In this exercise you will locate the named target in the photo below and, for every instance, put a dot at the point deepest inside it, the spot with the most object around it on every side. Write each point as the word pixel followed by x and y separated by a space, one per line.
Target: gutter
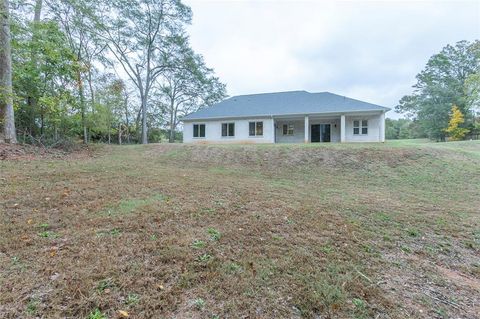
pixel 386 109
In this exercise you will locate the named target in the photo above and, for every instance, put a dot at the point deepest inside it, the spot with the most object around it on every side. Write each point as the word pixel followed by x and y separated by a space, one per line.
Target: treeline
pixel 403 129
pixel 445 103
pixel 116 71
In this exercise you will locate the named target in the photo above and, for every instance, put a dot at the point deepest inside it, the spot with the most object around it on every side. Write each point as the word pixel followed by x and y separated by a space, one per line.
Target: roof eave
pixel 185 119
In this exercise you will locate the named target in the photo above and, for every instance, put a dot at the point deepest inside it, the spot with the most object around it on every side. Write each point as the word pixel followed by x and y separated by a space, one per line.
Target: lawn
pixel 255 231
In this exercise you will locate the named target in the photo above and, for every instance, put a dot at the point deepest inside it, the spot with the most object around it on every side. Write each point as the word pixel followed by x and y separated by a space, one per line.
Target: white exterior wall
pixel 376 129
pixel 298 131
pixel 213 132
pixel 271 134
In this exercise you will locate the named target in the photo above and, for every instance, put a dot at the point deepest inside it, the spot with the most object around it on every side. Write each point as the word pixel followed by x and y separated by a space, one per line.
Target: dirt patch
pixel 290 156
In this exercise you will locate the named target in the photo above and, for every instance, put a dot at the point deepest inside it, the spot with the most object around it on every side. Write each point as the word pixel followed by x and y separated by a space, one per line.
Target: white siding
pixel 298 131
pixel 271 134
pixel 374 127
pixel 213 132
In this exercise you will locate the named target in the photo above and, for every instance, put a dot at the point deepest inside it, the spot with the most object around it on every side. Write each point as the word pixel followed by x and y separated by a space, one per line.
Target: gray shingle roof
pixel 282 103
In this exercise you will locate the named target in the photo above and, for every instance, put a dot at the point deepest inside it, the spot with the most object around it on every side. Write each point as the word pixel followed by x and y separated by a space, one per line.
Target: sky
pixel 368 50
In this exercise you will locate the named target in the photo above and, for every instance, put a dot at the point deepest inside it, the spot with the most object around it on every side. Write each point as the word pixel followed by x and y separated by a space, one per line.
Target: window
pixel 255 128
pixel 228 129
pixel 360 127
pixel 288 129
pixel 364 127
pixel 198 130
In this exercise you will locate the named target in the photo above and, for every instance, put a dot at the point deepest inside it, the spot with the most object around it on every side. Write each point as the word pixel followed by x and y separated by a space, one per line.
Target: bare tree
pixel 71 16
pixel 188 87
pixel 140 34
pixel 6 92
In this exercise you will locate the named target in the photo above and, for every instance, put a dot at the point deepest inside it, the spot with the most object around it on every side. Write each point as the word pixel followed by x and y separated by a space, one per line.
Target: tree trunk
pixel 38 11
pixel 144 120
pixel 82 106
pixel 171 137
pixel 126 119
pixel 120 134
pixel 6 91
pixel 32 100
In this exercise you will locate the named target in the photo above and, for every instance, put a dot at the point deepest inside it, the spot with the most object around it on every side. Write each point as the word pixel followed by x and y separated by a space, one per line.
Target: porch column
pixel 381 127
pixel 274 131
pixel 342 128
pixel 307 129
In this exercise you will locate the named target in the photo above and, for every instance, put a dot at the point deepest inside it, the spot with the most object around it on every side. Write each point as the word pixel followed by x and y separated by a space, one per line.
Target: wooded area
pixel 450 79
pixel 123 71
pixel 109 71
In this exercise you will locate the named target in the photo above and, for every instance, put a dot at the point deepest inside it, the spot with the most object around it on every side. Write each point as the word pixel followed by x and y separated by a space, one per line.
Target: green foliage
pixel 96 314
pixel 402 129
pixel 65 76
pixel 105 284
pixel 214 234
pixel 32 307
pixel 132 299
pixel 205 258
pixel 198 244
pixel 442 84
pixel 199 303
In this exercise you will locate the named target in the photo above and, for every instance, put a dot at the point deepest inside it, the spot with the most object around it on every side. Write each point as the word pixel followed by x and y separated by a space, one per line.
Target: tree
pixel 402 129
pixel 71 16
pixel 43 76
pixel 454 130
pixel 6 92
pixel 441 84
pixel 141 35
pixel 187 88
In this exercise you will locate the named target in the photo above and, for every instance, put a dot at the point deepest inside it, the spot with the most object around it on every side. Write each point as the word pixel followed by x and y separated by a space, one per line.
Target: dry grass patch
pixel 331 231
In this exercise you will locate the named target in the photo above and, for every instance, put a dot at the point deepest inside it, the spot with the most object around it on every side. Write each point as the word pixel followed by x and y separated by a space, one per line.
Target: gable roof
pixel 282 103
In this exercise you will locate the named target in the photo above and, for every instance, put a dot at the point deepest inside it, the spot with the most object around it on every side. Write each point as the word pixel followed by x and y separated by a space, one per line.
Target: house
pixel 286 117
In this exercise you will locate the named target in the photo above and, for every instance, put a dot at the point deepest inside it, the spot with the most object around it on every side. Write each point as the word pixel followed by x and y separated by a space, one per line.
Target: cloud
pixel 370 50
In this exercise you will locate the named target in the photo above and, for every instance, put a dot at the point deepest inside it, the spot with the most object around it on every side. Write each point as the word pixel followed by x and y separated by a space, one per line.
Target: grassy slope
pixel 354 230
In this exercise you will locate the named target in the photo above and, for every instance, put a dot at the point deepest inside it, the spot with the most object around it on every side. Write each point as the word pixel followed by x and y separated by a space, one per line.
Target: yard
pixel 255 231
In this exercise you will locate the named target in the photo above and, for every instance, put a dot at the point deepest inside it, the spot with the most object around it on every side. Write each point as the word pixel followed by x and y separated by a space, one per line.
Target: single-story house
pixel 286 117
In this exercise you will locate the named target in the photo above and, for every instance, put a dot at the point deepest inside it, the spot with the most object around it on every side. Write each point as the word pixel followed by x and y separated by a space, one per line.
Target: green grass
pixel 306 230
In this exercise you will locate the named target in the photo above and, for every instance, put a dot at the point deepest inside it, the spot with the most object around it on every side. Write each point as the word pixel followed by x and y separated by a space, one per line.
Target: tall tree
pixel 141 35
pixel 440 85
pixel 71 16
pixel 187 88
pixel 6 92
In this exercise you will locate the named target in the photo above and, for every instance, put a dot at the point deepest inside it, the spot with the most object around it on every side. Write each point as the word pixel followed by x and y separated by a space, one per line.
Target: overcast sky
pixel 369 50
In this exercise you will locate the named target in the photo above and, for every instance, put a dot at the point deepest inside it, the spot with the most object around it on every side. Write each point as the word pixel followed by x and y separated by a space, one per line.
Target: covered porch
pixel 309 129
pixel 335 128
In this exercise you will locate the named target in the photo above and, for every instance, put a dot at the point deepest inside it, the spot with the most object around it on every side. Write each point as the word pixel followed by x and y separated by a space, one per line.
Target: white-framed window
pixel 228 129
pixel 255 128
pixel 198 130
pixel 288 129
pixel 360 127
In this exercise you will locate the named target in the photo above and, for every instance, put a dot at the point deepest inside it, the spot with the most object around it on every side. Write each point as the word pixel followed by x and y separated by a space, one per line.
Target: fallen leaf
pixel 30 221
pixel 123 313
